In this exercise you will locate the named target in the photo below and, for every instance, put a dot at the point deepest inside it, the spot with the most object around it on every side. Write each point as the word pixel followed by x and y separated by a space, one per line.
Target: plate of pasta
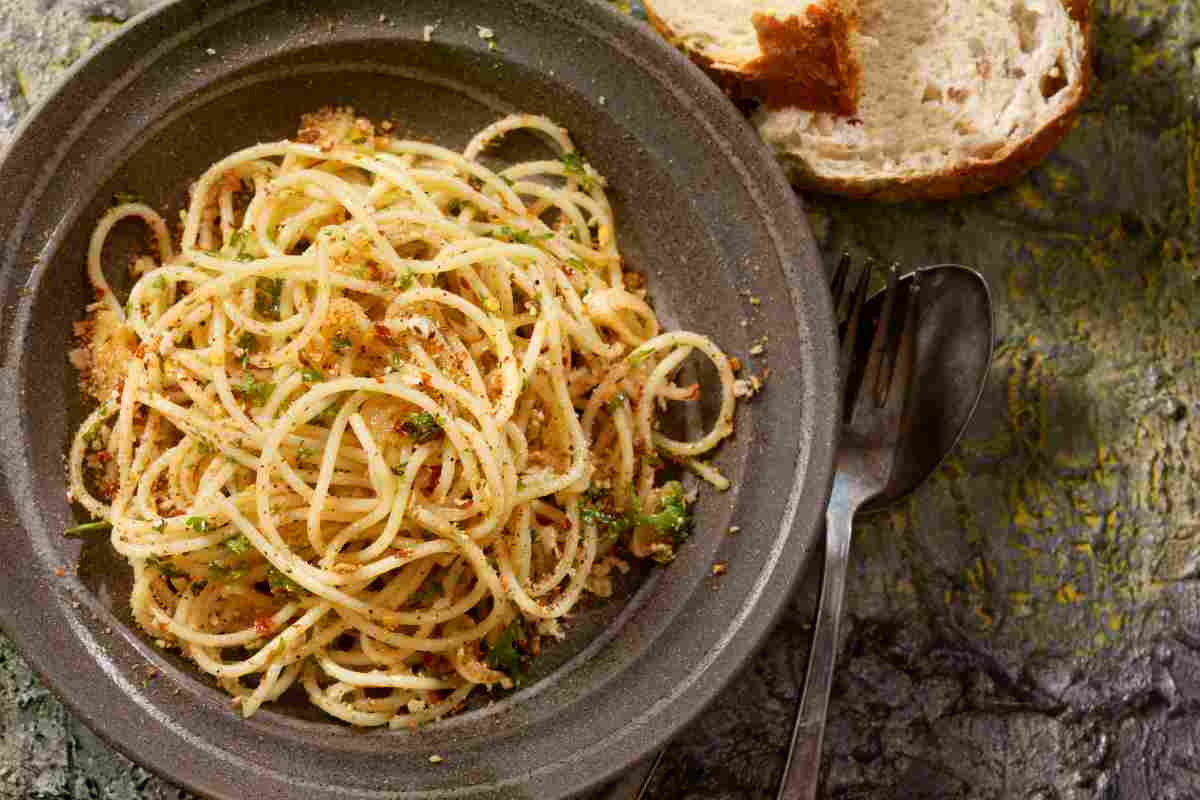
pixel 383 390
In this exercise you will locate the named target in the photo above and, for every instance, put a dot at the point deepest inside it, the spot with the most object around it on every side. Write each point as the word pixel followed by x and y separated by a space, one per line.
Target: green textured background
pixel 1028 625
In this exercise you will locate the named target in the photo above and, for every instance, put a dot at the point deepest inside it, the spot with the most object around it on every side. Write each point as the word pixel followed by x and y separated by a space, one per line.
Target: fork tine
pixel 875 361
pixel 904 356
pixel 888 362
pixel 837 284
pixel 857 297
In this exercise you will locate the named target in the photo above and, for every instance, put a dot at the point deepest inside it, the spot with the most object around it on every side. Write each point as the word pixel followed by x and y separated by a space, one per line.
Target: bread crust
pixel 973 177
pixel 807 62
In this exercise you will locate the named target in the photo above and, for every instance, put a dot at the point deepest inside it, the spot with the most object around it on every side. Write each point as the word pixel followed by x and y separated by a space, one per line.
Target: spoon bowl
pixel 955 338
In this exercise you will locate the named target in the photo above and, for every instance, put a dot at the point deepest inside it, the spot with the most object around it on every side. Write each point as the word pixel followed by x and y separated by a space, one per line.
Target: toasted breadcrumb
pixel 107 345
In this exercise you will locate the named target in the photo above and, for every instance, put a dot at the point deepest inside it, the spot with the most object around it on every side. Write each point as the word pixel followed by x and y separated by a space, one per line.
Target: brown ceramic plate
pixel 701 208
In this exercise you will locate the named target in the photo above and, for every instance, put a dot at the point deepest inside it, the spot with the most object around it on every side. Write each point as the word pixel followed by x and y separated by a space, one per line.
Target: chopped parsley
pixel 303 453
pixel 429 591
pixel 94 435
pixel 255 391
pixel 672 516
pixel 671 519
pixel 340 343
pixel 311 375
pixel 422 426
pixel 577 169
pixel 267 292
pixel 120 198
pixel 328 413
pixel 89 527
pixel 617 401
pixel 247 343
pixel 518 236
pixel 504 655
pixel 404 280
pixel 280 583
pixel 238 545
pixel 578 264
pixel 164 567
pixel 611 524
pixel 221 571
pixel 238 242
pixel 198 524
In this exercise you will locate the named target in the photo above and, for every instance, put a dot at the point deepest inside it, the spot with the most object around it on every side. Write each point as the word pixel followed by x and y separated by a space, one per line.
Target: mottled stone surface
pixel 1027 626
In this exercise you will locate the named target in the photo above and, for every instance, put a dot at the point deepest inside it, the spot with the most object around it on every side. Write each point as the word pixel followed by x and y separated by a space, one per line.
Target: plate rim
pixel 817 456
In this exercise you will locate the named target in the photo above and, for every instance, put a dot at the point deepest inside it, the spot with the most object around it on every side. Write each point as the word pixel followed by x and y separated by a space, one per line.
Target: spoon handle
pixel 804 758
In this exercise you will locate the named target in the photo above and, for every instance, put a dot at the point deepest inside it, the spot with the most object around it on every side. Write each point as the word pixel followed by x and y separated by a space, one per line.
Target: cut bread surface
pixel 722 30
pixel 957 97
pixel 785 53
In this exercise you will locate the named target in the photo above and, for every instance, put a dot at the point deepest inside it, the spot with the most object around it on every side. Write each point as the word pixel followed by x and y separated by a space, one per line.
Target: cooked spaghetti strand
pixel 376 425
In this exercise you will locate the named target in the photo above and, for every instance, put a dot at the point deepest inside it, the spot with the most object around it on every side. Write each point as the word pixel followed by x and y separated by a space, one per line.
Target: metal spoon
pixel 955 338
pixel 953 353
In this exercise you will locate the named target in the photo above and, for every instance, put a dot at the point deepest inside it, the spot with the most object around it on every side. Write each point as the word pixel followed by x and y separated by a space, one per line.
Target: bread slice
pixel 798 53
pixel 958 96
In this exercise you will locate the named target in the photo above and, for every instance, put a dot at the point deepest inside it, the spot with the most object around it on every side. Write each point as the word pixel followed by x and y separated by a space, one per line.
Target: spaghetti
pixel 378 424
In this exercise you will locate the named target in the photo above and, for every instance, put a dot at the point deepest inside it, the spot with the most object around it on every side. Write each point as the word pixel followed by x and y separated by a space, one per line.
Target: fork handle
pixel 804 758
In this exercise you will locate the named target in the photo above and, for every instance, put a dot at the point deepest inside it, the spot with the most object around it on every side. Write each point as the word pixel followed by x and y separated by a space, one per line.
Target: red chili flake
pixel 382 331
pixel 263 625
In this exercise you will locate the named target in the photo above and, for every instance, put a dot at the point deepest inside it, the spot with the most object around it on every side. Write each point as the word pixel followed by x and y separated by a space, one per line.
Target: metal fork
pixel 871 434
pixel 849 297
